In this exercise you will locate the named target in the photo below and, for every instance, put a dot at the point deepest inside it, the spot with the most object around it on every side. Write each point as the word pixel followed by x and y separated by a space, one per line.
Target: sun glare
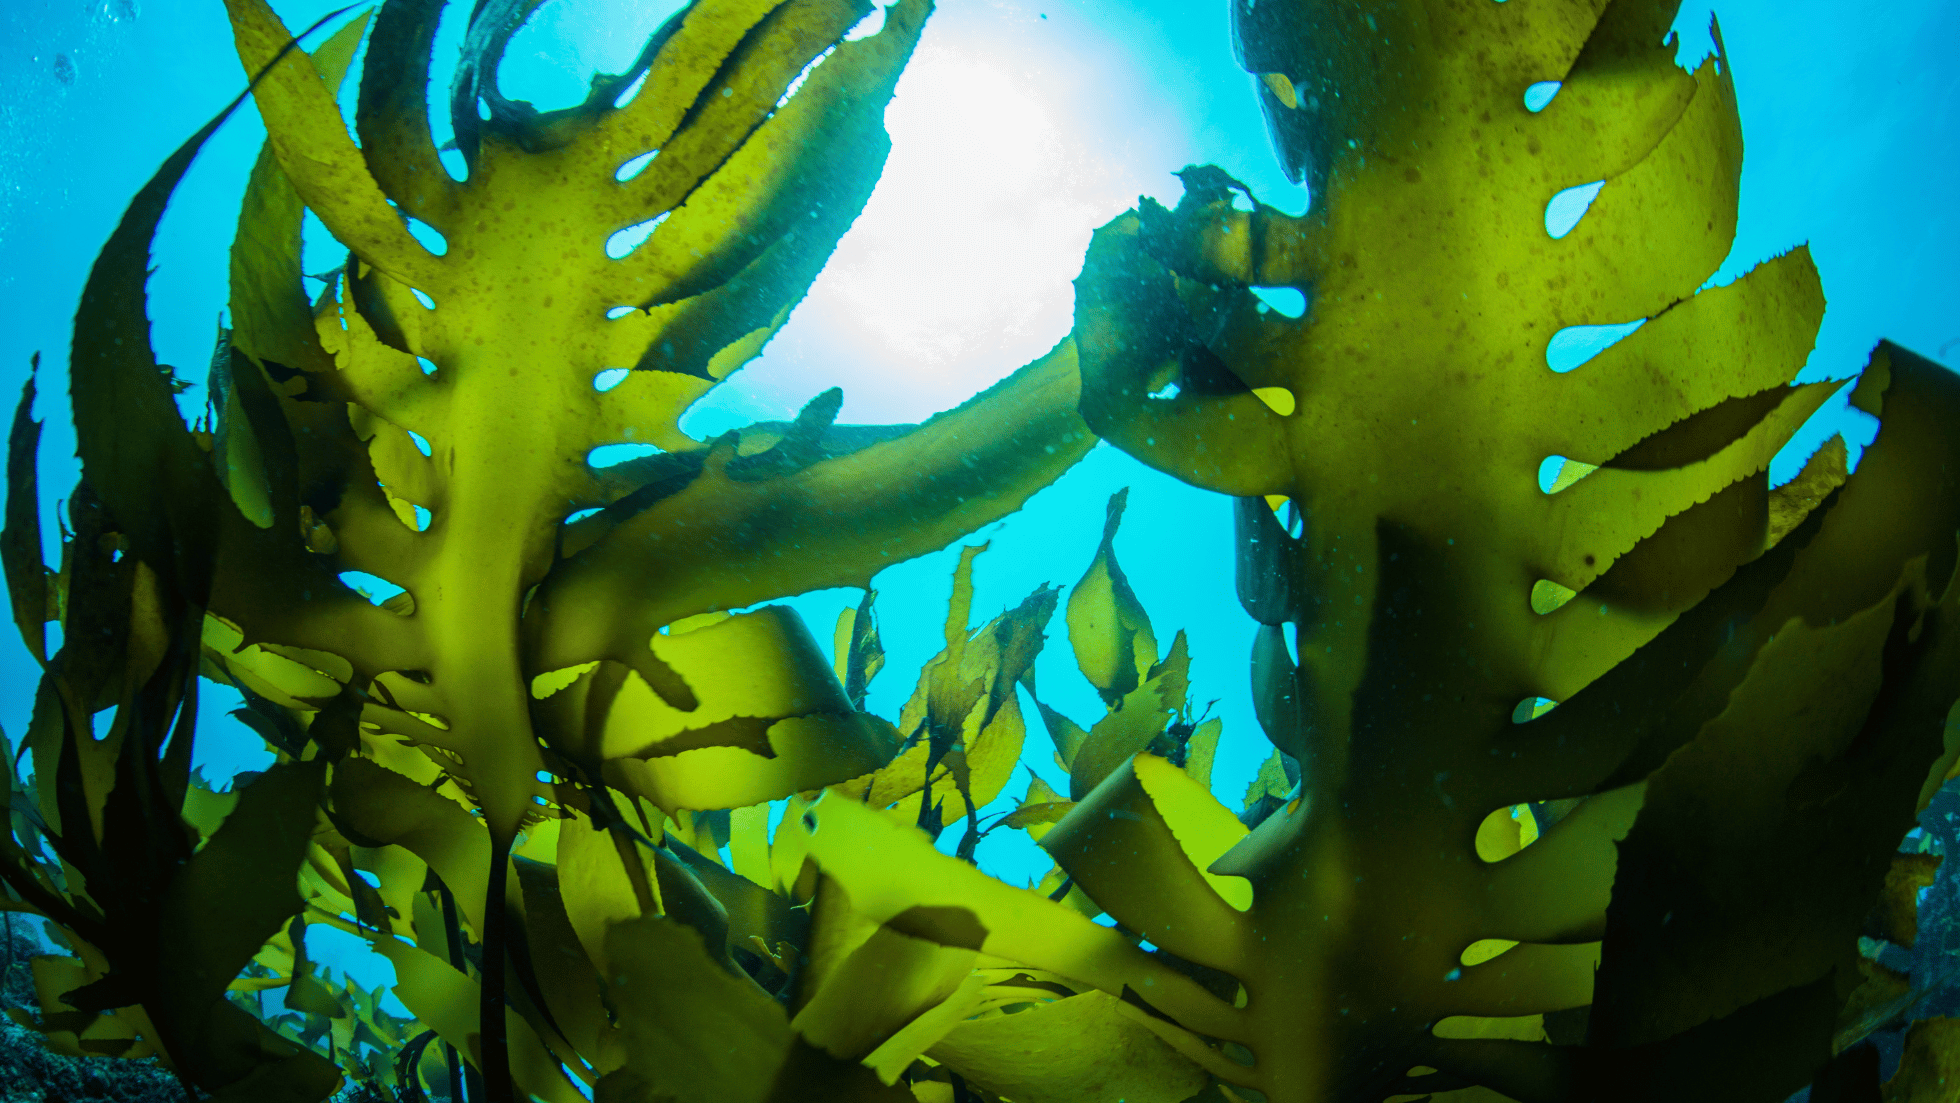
pixel 1007 152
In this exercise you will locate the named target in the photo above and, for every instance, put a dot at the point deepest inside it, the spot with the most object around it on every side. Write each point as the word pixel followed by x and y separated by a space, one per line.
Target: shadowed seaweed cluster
pixel 1584 787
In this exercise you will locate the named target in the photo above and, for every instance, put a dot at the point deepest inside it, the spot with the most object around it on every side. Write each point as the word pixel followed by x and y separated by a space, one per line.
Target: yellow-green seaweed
pixel 1579 794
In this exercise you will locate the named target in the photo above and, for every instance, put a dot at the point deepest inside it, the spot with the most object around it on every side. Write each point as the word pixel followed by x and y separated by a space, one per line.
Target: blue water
pixel 1018 129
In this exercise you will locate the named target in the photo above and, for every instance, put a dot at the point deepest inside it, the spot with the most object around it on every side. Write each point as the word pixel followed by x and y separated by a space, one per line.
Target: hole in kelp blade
pixel 1539 96
pixel 1575 345
pixel 1558 472
pixel 1565 210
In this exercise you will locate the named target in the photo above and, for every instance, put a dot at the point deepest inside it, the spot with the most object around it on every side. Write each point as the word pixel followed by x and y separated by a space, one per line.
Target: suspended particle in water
pixel 64 69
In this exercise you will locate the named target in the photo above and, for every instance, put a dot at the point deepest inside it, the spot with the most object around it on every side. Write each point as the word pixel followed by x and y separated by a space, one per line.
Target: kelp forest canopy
pixel 1583 788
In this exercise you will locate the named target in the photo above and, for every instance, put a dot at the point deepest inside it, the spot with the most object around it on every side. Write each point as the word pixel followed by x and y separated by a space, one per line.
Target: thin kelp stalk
pixel 497 1084
pixel 452 930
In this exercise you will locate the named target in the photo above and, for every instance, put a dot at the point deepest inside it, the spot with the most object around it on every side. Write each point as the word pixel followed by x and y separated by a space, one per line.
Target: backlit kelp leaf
pixel 392 116
pixel 1790 503
pixel 597 888
pixel 860 654
pixel 448 1002
pixel 1816 687
pixel 1444 603
pixel 225 903
pixel 854 514
pixel 136 451
pixel 885 984
pixel 725 1042
pixel 271 316
pixel 1040 808
pixel 564 976
pixel 1107 626
pixel 1066 734
pixel 387 808
pixel 978 766
pixel 1116 650
pixel 887 870
pixel 304 127
pixel 1138 719
pixel 717 728
pixel 20 541
pixel 962 726
pixel 1083 1049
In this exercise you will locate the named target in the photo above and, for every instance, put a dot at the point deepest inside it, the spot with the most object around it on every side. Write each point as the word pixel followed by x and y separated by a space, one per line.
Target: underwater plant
pixel 557 632
pixel 1751 685
pixel 1582 788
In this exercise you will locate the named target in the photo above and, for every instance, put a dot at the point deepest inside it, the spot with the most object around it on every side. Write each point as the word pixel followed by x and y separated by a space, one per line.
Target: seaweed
pixel 332 460
pixel 1591 749
pixel 1747 718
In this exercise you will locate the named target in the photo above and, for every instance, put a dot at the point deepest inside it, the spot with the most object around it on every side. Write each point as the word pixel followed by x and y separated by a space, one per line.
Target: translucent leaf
pixel 1107 626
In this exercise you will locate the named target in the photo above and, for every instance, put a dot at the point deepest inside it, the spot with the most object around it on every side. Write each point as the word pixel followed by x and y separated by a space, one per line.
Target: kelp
pixel 1745 722
pixel 1587 774
pixel 555 644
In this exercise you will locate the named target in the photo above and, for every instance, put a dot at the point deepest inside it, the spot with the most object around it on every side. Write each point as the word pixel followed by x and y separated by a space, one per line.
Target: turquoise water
pixel 1017 129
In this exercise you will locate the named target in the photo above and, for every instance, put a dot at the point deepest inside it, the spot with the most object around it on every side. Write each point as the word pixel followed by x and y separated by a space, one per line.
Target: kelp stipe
pixel 1749 700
